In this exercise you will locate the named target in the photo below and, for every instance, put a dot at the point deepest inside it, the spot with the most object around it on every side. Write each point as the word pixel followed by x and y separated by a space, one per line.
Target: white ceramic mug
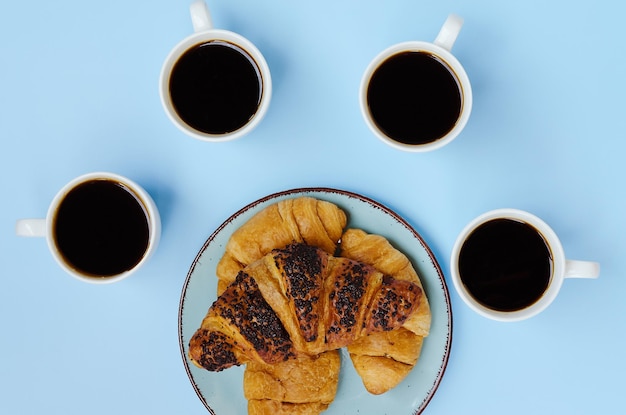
pixel 439 50
pixel 127 195
pixel 561 267
pixel 206 34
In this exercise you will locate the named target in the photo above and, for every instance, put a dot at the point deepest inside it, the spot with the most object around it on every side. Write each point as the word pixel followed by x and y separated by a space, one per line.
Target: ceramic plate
pixel 222 392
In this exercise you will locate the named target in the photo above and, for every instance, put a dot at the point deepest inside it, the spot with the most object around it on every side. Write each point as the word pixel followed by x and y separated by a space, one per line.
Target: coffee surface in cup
pixel 505 264
pixel 101 228
pixel 414 97
pixel 216 87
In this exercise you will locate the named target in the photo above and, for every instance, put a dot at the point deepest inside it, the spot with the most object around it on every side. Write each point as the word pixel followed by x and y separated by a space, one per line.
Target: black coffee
pixel 506 265
pixel 414 98
pixel 101 228
pixel 216 87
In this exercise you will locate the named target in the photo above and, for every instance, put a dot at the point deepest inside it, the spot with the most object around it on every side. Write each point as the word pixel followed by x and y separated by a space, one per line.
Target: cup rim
pixel 207 36
pixel 556 279
pixel 150 208
pixel 452 62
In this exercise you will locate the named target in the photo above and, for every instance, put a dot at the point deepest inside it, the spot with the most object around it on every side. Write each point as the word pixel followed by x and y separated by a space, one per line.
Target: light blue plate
pixel 222 392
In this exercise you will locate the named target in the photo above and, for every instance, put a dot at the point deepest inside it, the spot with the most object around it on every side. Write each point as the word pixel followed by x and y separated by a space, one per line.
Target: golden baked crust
pixel 379 374
pixel 302 380
pixel 383 360
pixel 400 345
pixel 271 407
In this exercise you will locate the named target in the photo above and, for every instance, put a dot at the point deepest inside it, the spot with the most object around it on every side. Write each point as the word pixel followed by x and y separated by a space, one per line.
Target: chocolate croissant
pixel 296 301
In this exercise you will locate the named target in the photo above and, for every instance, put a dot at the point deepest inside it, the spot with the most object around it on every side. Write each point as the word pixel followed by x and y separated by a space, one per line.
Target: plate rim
pixel 320 189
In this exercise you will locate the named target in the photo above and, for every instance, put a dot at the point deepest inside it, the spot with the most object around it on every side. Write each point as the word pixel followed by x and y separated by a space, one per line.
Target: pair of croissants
pixel 294 287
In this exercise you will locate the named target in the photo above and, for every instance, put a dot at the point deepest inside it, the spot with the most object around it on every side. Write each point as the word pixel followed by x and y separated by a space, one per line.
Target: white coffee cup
pixel 128 244
pixel 205 34
pixel 561 267
pixel 421 133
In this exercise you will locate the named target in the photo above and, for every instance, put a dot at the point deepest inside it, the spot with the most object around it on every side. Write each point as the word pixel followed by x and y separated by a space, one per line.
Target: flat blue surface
pixel 78 93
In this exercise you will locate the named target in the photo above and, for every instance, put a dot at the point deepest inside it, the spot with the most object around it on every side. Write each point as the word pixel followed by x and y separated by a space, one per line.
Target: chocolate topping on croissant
pixel 244 307
pixel 276 308
pixel 302 269
pixel 214 350
pixel 393 304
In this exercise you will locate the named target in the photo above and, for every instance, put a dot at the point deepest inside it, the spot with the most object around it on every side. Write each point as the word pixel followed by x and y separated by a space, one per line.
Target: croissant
pixel 384 359
pixel 296 301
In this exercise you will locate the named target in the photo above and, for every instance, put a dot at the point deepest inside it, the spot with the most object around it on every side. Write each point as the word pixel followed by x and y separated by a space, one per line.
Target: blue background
pixel 79 93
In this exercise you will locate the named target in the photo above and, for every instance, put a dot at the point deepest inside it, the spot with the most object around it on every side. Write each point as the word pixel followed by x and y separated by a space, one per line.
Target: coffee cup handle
pixel 449 32
pixel 581 269
pixel 31 227
pixel 200 16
